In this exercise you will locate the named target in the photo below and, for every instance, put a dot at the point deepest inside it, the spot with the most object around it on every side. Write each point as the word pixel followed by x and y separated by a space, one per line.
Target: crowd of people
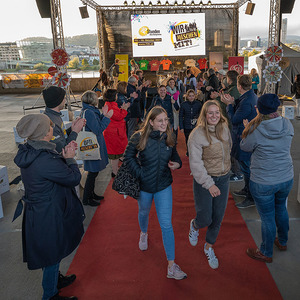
pixel 230 135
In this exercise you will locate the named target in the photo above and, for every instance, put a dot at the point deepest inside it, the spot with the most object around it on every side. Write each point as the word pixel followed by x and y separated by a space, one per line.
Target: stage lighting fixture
pixel 150 3
pixel 209 2
pixel 84 12
pixel 142 3
pixel 175 3
pixel 192 3
pixel 125 3
pixel 158 2
pixel 183 2
pixel 250 8
pixel 201 3
pixel 133 3
pixel 167 3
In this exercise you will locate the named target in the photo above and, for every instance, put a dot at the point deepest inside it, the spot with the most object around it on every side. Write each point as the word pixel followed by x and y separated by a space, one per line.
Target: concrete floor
pixel 17 282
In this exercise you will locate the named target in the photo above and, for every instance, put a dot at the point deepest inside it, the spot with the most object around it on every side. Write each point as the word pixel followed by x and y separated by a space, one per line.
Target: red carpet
pixel 109 265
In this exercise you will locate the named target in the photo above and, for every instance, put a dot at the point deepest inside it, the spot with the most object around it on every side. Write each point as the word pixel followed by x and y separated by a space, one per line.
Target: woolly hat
pixel 53 96
pixel 33 127
pixel 268 103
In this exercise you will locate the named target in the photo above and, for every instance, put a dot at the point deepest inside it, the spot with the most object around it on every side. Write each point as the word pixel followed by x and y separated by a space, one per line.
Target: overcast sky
pixel 20 19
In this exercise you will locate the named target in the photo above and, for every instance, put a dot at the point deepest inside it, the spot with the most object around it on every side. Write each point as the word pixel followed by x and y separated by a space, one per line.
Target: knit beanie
pixel 53 96
pixel 268 103
pixel 33 127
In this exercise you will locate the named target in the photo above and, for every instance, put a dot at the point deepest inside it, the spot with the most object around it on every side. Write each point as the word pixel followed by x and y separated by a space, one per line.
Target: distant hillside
pixel 77 40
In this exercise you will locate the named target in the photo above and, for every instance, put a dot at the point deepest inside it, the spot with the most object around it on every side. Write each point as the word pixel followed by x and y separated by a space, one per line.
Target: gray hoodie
pixel 270 142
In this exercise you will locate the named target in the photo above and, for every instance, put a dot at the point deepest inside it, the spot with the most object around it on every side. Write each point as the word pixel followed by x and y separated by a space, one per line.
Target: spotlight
pixel 183 2
pixel 150 3
pixel 125 3
pixel 201 3
pixel 167 3
pixel 175 3
pixel 84 12
pixel 142 3
pixel 250 8
pixel 132 3
pixel 192 3
pixel 209 2
pixel 158 2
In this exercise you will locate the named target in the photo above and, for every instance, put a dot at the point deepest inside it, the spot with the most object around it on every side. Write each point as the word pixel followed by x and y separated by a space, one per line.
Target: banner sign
pixel 123 65
pixel 21 81
pixel 216 60
pixel 168 35
pixel 236 63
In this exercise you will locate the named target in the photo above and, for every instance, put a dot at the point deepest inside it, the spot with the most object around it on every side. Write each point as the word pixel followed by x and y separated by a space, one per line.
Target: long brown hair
pixel 147 128
pixel 253 72
pixel 254 123
pixel 202 121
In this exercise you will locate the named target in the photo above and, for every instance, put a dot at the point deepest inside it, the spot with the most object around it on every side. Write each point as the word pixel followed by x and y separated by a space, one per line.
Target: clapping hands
pixel 69 150
pixel 227 99
pixel 106 112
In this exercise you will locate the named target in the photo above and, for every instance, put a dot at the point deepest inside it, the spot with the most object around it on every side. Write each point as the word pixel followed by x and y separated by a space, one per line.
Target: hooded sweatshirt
pixel 270 144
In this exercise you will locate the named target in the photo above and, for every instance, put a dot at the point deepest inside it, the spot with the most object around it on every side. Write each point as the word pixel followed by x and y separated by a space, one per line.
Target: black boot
pixel 64 281
pixel 91 202
pixel 96 197
pixel 57 297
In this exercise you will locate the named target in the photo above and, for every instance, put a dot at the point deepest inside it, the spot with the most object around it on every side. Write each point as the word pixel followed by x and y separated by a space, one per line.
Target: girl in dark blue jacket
pixel 188 114
pixel 154 144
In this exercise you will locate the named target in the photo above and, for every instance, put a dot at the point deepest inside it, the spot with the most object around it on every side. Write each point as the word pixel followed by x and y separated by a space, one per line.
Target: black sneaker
pixel 236 178
pixel 241 193
pixel 57 297
pixel 96 197
pixel 248 202
pixel 64 281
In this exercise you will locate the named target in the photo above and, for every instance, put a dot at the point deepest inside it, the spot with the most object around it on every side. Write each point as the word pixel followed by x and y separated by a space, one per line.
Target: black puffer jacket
pixel 153 170
pixel 189 113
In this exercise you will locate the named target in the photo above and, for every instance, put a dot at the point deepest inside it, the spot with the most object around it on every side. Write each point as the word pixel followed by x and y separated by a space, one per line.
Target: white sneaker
pixel 193 234
pixel 143 242
pixel 176 273
pixel 211 257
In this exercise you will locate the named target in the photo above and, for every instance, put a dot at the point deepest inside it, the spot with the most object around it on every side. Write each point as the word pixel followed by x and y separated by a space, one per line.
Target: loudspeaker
pixel 44 8
pixel 286 6
pixel 250 8
pixel 84 12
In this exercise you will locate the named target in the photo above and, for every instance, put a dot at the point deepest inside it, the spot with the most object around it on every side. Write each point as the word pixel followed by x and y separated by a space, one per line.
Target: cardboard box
pixel 4 184
pixel 18 139
pixel 288 111
pixel 1 209
pixel 76 113
pixel 67 124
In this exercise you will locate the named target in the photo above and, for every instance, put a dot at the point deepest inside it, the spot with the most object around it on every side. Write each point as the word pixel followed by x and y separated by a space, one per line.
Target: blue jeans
pixel 245 168
pixel 270 201
pixel 50 278
pixel 210 211
pixel 163 205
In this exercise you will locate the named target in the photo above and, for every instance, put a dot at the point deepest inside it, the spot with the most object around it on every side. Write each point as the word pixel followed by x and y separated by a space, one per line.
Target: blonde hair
pixel 90 97
pixel 253 72
pixel 147 128
pixel 202 121
pixel 254 123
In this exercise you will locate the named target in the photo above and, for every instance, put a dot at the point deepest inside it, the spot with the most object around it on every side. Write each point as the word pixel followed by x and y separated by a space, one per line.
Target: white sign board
pixel 168 35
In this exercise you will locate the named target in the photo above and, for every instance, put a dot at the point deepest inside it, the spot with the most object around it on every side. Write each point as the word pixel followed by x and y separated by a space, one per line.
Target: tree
pixel 95 62
pixel 253 52
pixel 40 67
pixel 85 62
pixel 74 62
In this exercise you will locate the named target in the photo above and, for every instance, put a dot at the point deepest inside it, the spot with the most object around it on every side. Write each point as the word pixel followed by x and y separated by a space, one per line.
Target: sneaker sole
pixel 251 205
pixel 172 277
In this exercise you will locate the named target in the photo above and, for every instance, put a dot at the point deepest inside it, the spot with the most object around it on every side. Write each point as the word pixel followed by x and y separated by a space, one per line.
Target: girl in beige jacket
pixel 209 154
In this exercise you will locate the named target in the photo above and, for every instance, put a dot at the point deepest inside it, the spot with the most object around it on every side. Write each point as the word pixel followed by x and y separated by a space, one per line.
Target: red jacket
pixel 115 134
